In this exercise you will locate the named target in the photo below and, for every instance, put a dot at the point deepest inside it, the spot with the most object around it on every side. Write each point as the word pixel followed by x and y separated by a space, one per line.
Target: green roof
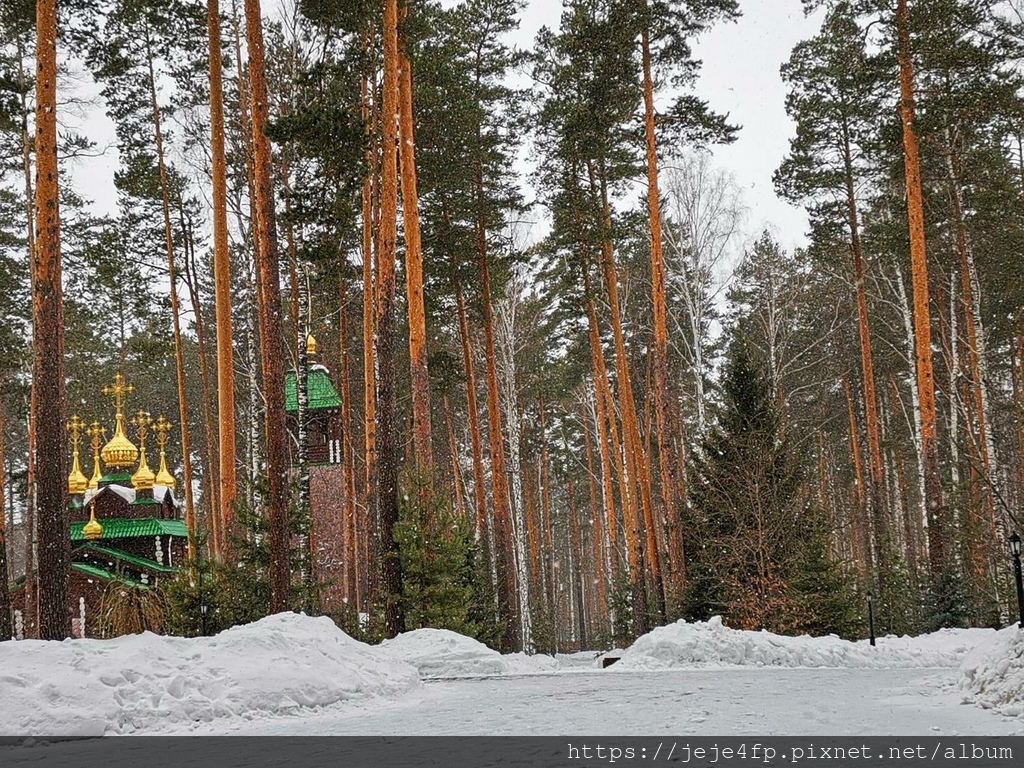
pixel 124 528
pixel 100 573
pixel 92 570
pixel 116 554
pixel 322 394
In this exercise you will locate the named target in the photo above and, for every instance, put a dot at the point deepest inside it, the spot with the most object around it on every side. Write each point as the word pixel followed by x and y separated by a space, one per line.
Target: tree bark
pixel 48 347
pixel 6 624
pixel 937 533
pixel 483 528
pixel 213 475
pixel 599 541
pixel 370 247
pixel 227 473
pixel 179 357
pixel 414 269
pixel 352 565
pixel 875 492
pixel 505 567
pixel 864 560
pixel 627 404
pixel 269 310
pixel 669 455
pixel 608 443
pixel 388 440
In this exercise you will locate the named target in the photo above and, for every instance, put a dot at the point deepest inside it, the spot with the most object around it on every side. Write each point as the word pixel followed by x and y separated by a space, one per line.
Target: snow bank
pixel 443 653
pixel 712 644
pixel 993 673
pixel 150 683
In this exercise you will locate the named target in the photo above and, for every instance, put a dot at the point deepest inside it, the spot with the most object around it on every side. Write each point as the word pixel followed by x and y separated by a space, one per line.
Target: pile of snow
pixel 443 653
pixel 712 644
pixel 149 683
pixel 993 673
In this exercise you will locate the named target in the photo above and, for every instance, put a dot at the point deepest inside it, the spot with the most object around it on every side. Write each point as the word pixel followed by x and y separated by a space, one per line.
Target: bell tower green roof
pixel 322 394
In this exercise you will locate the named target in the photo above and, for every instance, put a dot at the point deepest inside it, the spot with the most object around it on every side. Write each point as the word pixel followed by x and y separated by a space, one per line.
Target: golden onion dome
pixel 77 482
pixel 310 344
pixel 120 452
pixel 163 477
pixel 92 530
pixel 97 475
pixel 143 477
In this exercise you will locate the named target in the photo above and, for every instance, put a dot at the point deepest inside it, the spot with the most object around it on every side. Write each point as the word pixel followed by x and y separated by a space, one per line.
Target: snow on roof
pixel 126 493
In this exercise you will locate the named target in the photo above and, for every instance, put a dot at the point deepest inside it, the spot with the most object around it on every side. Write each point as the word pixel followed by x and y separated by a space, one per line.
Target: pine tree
pixel 48 346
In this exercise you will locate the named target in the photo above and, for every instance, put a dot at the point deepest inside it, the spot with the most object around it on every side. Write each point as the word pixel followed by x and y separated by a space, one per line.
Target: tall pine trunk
pixel 937 529
pixel 370 248
pixel 504 546
pixel 6 625
pixel 627 406
pixel 388 439
pixel 213 523
pixel 876 488
pixel 669 454
pixel 179 357
pixel 483 526
pixel 268 283
pixel 227 473
pixel 414 270
pixel 54 548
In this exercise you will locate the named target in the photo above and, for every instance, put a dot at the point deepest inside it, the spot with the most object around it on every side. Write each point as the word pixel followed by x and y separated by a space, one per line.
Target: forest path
pixel 670 703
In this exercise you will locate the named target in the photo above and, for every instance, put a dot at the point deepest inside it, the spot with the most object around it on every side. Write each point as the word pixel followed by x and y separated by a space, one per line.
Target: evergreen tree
pixel 438 572
pixel 757 555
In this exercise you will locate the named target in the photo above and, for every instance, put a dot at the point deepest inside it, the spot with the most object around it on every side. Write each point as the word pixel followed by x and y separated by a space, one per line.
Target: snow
pixel 441 653
pixel 712 644
pixel 671 703
pixel 992 675
pixel 291 674
pixel 149 683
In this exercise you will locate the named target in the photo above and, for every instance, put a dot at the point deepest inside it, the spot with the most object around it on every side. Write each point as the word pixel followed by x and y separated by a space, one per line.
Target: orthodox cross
pixel 119 391
pixel 76 427
pixel 98 434
pixel 163 427
pixel 142 422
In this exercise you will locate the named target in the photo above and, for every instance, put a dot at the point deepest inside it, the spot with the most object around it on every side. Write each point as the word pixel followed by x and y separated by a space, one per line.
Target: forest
pixel 579 398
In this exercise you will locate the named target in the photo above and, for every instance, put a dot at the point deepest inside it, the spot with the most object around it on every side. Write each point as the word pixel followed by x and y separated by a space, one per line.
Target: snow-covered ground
pixel 292 674
pixel 440 653
pixel 149 683
pixel 712 644
pixel 993 673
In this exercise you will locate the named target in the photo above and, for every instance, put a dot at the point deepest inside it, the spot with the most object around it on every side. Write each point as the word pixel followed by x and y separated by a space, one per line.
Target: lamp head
pixel 1015 544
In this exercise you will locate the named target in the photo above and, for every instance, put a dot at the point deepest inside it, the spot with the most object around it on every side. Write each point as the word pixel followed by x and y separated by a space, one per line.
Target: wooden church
pixel 124 523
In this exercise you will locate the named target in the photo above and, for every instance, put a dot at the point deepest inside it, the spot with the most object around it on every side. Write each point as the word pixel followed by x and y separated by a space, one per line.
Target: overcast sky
pixel 740 77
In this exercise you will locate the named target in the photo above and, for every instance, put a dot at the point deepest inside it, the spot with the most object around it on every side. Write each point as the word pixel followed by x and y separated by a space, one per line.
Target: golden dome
pixel 310 344
pixel 97 475
pixel 120 452
pixel 163 477
pixel 143 477
pixel 92 530
pixel 96 434
pixel 77 482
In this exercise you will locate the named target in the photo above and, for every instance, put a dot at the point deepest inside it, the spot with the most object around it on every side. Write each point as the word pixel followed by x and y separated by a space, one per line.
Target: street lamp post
pixel 871 616
pixel 1015 551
